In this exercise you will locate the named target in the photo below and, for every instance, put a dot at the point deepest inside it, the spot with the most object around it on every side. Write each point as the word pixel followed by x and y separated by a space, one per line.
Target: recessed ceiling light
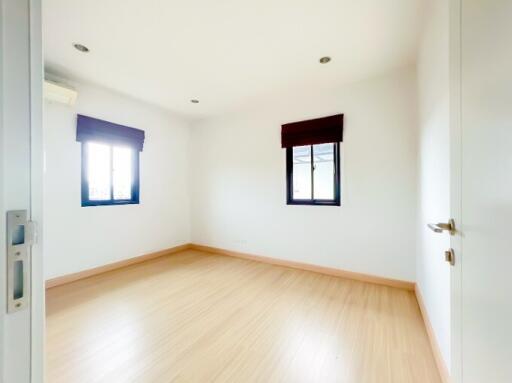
pixel 193 101
pixel 325 60
pixel 81 48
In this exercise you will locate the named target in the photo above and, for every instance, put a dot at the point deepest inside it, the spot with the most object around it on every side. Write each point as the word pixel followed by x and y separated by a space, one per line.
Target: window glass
pixel 323 159
pixel 313 176
pixel 110 174
pixel 302 172
pixel 98 171
pixel 122 172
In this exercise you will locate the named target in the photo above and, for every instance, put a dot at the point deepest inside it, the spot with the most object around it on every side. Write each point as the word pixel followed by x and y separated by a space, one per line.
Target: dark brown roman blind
pixel 311 132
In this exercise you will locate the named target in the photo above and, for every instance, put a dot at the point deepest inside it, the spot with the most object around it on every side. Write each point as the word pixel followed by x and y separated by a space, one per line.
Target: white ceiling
pixel 227 52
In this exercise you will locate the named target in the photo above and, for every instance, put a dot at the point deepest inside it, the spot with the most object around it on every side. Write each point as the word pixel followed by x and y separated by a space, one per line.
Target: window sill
pixel 314 202
pixel 108 203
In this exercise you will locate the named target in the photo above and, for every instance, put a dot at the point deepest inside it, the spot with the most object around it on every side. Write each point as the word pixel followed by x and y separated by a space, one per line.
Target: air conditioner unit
pixel 61 93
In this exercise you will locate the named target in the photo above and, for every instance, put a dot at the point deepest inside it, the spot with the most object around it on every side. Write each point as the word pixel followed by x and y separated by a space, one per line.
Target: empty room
pixel 256 191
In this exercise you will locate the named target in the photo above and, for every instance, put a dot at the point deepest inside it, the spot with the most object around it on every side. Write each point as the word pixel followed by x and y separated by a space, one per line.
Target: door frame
pixel 36 190
pixel 30 12
pixel 456 241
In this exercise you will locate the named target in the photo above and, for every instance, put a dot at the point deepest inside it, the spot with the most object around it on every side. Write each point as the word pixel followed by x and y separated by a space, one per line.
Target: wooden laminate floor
pixel 195 317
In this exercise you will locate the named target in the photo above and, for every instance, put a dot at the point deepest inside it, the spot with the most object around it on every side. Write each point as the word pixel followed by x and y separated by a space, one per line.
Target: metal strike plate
pixel 19 239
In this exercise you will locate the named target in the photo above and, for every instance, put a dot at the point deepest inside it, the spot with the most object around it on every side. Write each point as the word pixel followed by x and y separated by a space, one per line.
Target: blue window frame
pixel 110 162
pixel 110 186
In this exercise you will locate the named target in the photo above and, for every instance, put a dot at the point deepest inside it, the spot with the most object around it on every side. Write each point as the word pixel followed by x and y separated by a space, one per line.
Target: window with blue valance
pixel 110 162
pixel 93 129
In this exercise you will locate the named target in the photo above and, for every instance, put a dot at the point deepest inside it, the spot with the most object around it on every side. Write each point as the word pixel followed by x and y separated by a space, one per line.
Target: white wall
pixel 238 180
pixel 432 272
pixel 79 238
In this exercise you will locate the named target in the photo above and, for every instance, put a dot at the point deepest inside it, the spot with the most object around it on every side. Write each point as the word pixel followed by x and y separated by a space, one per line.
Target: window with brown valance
pixel 313 160
pixel 310 132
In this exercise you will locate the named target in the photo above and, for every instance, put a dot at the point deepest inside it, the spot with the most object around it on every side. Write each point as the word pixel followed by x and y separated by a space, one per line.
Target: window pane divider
pixel 112 172
pixel 312 173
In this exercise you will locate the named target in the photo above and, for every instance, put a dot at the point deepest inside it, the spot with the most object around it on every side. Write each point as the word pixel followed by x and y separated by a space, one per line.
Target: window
pixel 110 174
pixel 313 160
pixel 110 162
pixel 313 174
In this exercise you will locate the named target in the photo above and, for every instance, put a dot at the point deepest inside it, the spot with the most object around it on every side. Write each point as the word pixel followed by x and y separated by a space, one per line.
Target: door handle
pixel 440 227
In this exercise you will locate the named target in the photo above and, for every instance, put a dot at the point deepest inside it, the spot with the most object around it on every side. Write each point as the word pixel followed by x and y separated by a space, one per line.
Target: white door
pixel 483 193
pixel 21 290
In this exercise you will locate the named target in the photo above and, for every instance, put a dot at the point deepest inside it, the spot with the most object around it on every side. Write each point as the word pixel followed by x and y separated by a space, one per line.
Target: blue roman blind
pixel 93 129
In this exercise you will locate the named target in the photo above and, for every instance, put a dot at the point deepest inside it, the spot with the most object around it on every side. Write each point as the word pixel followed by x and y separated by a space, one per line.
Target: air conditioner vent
pixel 55 92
